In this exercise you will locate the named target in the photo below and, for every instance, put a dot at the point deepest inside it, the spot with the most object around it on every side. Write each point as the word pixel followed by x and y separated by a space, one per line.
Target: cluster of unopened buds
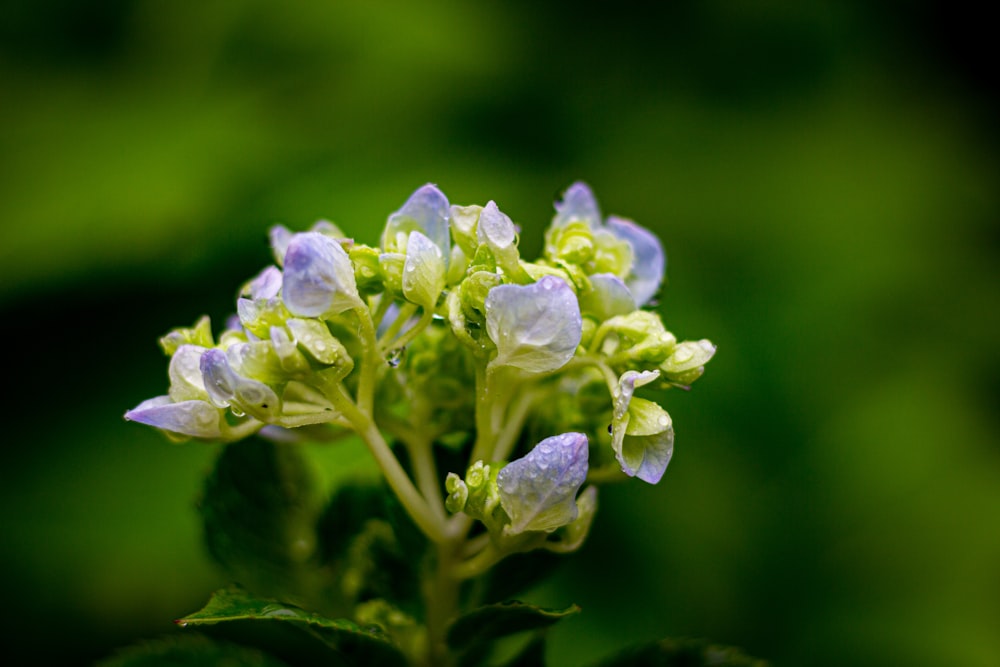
pixel 445 338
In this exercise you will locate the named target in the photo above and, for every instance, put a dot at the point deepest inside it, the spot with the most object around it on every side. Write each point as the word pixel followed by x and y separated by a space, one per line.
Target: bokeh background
pixel 824 177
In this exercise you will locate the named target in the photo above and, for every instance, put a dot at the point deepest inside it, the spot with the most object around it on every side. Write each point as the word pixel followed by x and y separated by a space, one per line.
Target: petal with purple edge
pixel 535 327
pixel 578 203
pixel 538 491
pixel 194 418
pixel 319 277
pixel 427 211
pixel 649 260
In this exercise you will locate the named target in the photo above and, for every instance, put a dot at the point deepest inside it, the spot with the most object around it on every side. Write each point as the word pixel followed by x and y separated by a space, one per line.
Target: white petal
pixel 535 327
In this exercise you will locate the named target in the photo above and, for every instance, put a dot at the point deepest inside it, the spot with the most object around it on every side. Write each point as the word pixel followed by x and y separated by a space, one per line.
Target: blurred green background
pixel 824 178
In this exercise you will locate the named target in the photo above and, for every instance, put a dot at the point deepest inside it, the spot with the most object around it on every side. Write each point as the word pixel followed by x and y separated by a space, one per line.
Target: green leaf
pixel 193 650
pixel 364 646
pixel 364 545
pixel 532 655
pixel 260 508
pixel 518 572
pixel 681 653
pixel 493 621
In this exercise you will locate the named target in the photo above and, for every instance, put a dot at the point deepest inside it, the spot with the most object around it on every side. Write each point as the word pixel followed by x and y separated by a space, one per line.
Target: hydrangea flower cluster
pixel 443 338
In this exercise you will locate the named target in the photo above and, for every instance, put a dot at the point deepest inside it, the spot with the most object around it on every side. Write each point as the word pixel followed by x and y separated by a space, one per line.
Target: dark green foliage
pixel 681 653
pixel 189 651
pixel 259 508
pixel 347 640
pixel 471 635
pixel 370 547
pixel 516 573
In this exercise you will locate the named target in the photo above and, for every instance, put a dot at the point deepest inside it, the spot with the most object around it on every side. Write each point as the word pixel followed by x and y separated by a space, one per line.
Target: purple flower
pixel 319 277
pixel 538 491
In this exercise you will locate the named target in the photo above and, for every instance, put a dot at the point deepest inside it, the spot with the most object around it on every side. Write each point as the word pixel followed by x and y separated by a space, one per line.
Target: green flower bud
pixel 638 337
pixel 473 291
pixel 391 265
pixel 458 493
pixel 464 220
pixel 367 270
pixel 572 243
pixel 200 334
pixel 687 361
pixel 315 339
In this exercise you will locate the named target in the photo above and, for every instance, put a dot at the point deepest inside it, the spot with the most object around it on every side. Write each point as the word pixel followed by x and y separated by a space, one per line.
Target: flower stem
pixel 416 506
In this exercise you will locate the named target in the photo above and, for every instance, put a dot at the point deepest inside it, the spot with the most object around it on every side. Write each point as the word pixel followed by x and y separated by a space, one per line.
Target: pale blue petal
pixel 219 378
pixel 423 271
pixel 196 419
pixel 608 297
pixel 649 261
pixel 535 327
pixel 578 203
pixel 426 211
pixel 280 236
pixel 266 285
pixel 647 457
pixel 319 277
pixel 538 491
pixel 495 229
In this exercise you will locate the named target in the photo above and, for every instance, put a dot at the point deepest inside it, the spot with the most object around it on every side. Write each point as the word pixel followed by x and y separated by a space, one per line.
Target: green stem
pixel 412 332
pixel 416 506
pixel 507 438
pixel 369 362
pixel 406 311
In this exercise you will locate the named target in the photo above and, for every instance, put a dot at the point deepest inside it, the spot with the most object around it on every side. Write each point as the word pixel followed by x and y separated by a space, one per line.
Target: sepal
pixel 538 491
pixel 535 327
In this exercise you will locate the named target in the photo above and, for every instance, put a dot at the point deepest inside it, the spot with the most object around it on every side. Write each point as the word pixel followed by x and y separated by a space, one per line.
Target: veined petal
pixel 425 211
pixel 649 261
pixel 535 327
pixel 578 203
pixel 538 491
pixel 319 277
pixel 194 418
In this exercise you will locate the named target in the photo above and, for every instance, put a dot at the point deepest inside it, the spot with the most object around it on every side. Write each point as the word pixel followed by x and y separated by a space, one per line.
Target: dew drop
pixel 395 357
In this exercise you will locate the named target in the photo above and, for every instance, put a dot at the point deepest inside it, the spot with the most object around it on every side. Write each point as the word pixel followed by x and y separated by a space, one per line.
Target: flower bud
pixel 200 334
pixel 226 388
pixel 367 274
pixel 319 277
pixel 687 361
